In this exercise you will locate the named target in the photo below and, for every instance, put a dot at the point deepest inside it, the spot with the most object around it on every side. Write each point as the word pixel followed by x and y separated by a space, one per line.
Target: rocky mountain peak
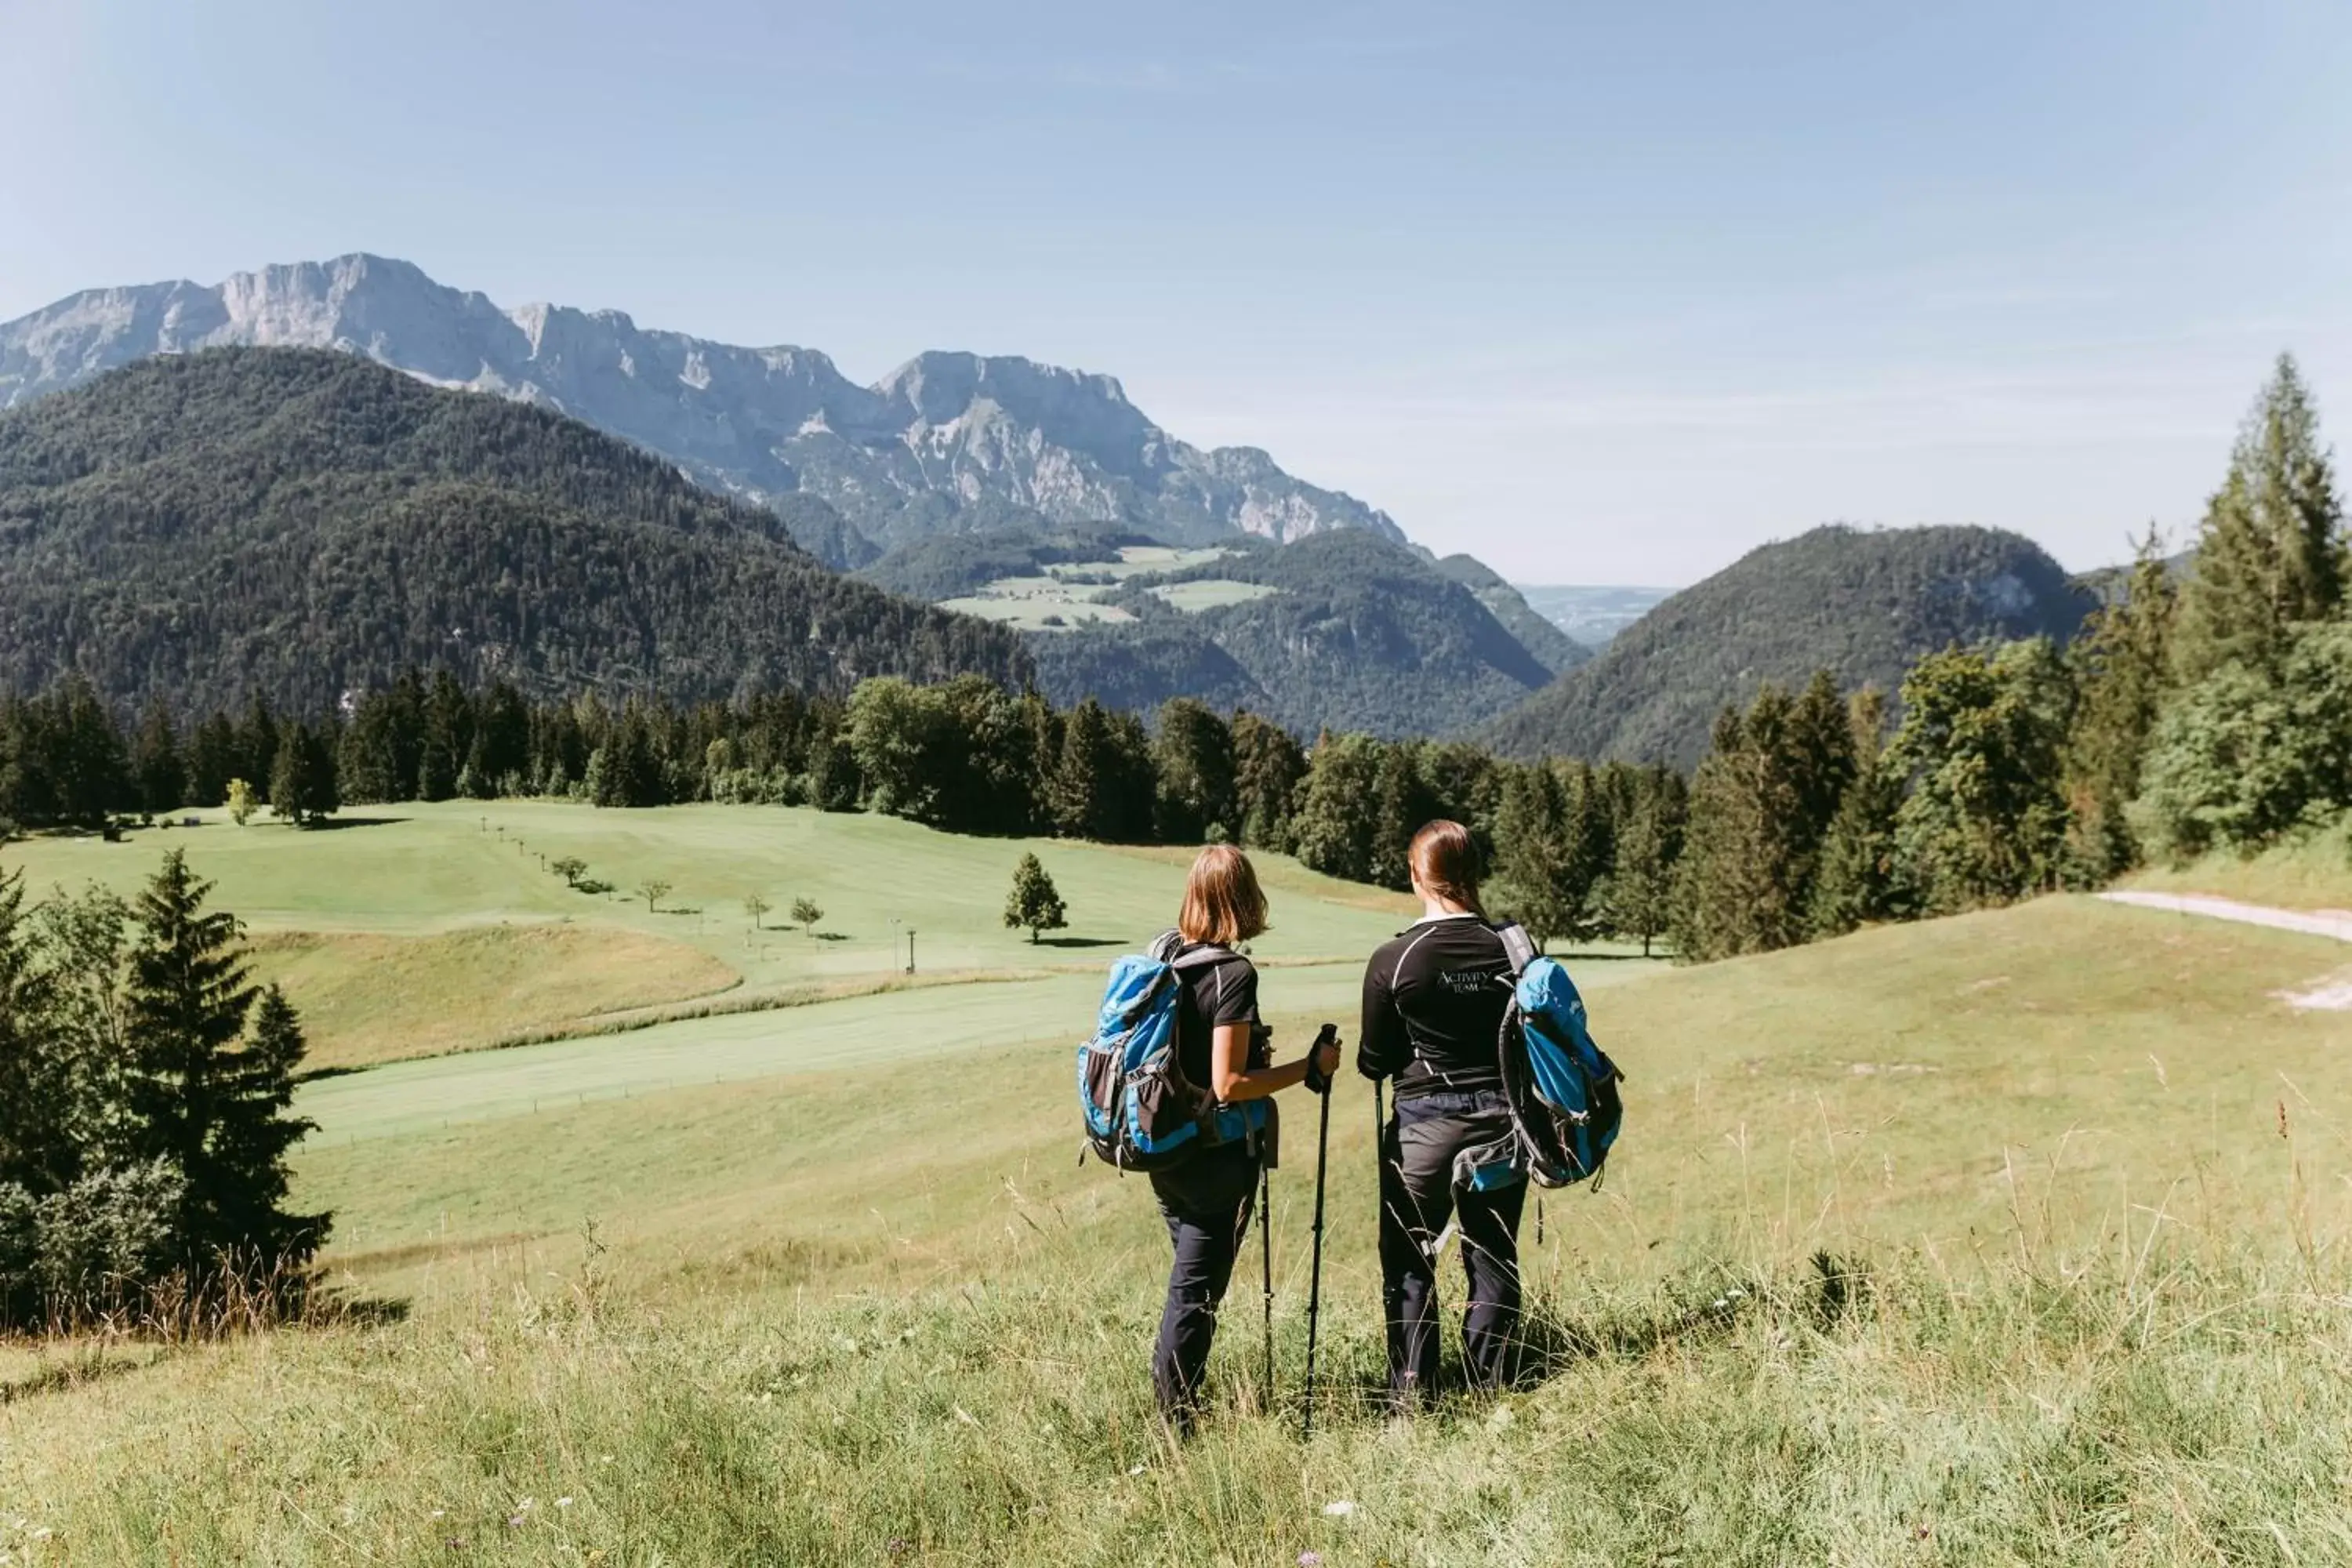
pixel 946 443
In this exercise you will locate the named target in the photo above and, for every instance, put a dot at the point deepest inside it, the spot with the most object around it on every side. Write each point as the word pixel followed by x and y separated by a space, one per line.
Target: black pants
pixel 1206 1202
pixel 1417 1196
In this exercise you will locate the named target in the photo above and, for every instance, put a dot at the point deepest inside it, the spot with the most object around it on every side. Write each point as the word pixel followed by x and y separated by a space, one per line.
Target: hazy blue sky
pixel 1601 293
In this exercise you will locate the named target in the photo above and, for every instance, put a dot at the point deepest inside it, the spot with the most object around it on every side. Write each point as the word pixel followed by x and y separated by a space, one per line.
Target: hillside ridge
pixel 1862 603
pixel 302 524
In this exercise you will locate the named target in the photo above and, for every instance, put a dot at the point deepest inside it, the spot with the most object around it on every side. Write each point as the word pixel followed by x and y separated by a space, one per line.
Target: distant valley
pixel 1593 615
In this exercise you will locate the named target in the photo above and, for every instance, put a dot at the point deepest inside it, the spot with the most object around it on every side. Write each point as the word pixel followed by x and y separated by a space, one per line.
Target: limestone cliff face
pixel 946 443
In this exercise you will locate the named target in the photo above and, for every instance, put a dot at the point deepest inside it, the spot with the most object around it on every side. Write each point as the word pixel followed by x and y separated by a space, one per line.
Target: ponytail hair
pixel 1444 860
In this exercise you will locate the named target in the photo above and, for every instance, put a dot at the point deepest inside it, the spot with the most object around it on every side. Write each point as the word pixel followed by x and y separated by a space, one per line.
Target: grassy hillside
pixel 2314 873
pixel 421 928
pixel 2079 1172
pixel 1863 605
pixel 306 523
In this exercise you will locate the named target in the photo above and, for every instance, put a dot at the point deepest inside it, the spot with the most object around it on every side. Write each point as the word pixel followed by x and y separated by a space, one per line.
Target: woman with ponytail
pixel 1433 1004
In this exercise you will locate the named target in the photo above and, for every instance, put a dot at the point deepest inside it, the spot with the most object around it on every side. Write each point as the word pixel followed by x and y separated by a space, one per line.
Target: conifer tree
pixel 1192 756
pixel 2122 669
pixel 256 744
pixel 202 1096
pixel 162 779
pixel 1639 896
pixel 35 1152
pixel 1268 764
pixel 1087 779
pixel 303 788
pixel 2270 551
pixel 1399 806
pixel 1534 874
pixel 1745 873
pixel 1855 882
pixel 1034 903
pixel 253 1137
pixel 1333 826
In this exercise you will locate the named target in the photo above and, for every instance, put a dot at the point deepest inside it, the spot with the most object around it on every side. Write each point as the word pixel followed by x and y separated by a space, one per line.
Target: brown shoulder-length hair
pixel 1444 859
pixel 1222 903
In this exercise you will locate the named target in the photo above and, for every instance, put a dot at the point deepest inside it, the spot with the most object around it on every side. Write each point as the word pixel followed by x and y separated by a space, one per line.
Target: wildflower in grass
pixel 1339 1510
pixel 1310 1559
pixel 563 1503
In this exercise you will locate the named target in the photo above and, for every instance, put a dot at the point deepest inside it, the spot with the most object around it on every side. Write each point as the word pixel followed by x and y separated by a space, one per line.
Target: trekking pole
pixel 1315 1270
pixel 1265 1264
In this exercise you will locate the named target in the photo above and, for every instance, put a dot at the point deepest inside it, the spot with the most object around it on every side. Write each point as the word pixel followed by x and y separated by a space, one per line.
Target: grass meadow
pixel 2017 1238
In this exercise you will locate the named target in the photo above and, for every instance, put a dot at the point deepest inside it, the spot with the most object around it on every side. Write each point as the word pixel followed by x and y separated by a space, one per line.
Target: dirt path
pixel 2335 923
pixel 2332 994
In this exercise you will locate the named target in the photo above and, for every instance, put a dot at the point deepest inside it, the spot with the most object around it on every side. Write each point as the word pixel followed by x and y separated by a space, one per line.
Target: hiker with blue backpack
pixel 1496 1080
pixel 1177 1084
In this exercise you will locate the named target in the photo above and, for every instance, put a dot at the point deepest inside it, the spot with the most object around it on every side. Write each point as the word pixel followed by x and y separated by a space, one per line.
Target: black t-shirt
pixel 1433 1003
pixel 1225 992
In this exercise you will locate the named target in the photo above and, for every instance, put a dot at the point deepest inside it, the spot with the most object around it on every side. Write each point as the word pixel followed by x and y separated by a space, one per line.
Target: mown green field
pixel 448 900
pixel 2011 1238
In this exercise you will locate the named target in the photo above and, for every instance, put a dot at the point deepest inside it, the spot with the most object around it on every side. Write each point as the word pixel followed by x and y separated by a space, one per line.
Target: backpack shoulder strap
pixel 1201 957
pixel 1517 946
pixel 1165 947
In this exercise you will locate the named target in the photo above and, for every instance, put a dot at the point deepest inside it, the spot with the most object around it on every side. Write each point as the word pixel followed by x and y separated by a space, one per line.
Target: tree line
pixel 144 1086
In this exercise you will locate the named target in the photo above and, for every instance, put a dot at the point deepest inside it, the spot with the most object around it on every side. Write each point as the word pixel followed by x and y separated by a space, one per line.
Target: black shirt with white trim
pixel 1433 1003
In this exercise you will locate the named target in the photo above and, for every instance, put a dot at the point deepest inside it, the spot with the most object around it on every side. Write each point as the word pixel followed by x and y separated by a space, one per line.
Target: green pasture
pixel 1211 594
pixel 1048 606
pixel 430 887
pixel 2017 1238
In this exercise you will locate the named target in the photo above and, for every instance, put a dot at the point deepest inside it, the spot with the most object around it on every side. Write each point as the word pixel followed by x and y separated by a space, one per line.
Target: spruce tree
pixel 162 779
pixel 1854 878
pixel 2122 669
pixel 1082 788
pixel 202 1096
pixel 1333 827
pixel 1400 806
pixel 1192 756
pixel 1034 903
pixel 1533 874
pixel 1268 764
pixel 256 744
pixel 35 1143
pixel 1745 866
pixel 2270 551
pixel 303 787
pixel 253 1136
pixel 1639 896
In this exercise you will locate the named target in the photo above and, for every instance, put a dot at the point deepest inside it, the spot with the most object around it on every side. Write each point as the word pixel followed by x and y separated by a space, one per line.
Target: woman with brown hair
pixel 1221 1047
pixel 1433 1004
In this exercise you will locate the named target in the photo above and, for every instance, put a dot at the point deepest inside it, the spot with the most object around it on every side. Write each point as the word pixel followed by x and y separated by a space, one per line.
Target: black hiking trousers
pixel 1417 1197
pixel 1206 1202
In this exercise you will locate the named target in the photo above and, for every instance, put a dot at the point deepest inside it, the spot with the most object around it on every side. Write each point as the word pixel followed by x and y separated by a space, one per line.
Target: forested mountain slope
pixel 1557 651
pixel 946 443
pixel 302 522
pixel 1863 604
pixel 1350 632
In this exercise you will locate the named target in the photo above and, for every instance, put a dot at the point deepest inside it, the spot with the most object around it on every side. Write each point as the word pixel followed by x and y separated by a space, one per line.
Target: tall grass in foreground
pixel 2150 1399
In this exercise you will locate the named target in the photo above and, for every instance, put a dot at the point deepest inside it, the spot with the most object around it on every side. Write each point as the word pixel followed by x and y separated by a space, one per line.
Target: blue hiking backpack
pixel 1141 1112
pixel 1562 1089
